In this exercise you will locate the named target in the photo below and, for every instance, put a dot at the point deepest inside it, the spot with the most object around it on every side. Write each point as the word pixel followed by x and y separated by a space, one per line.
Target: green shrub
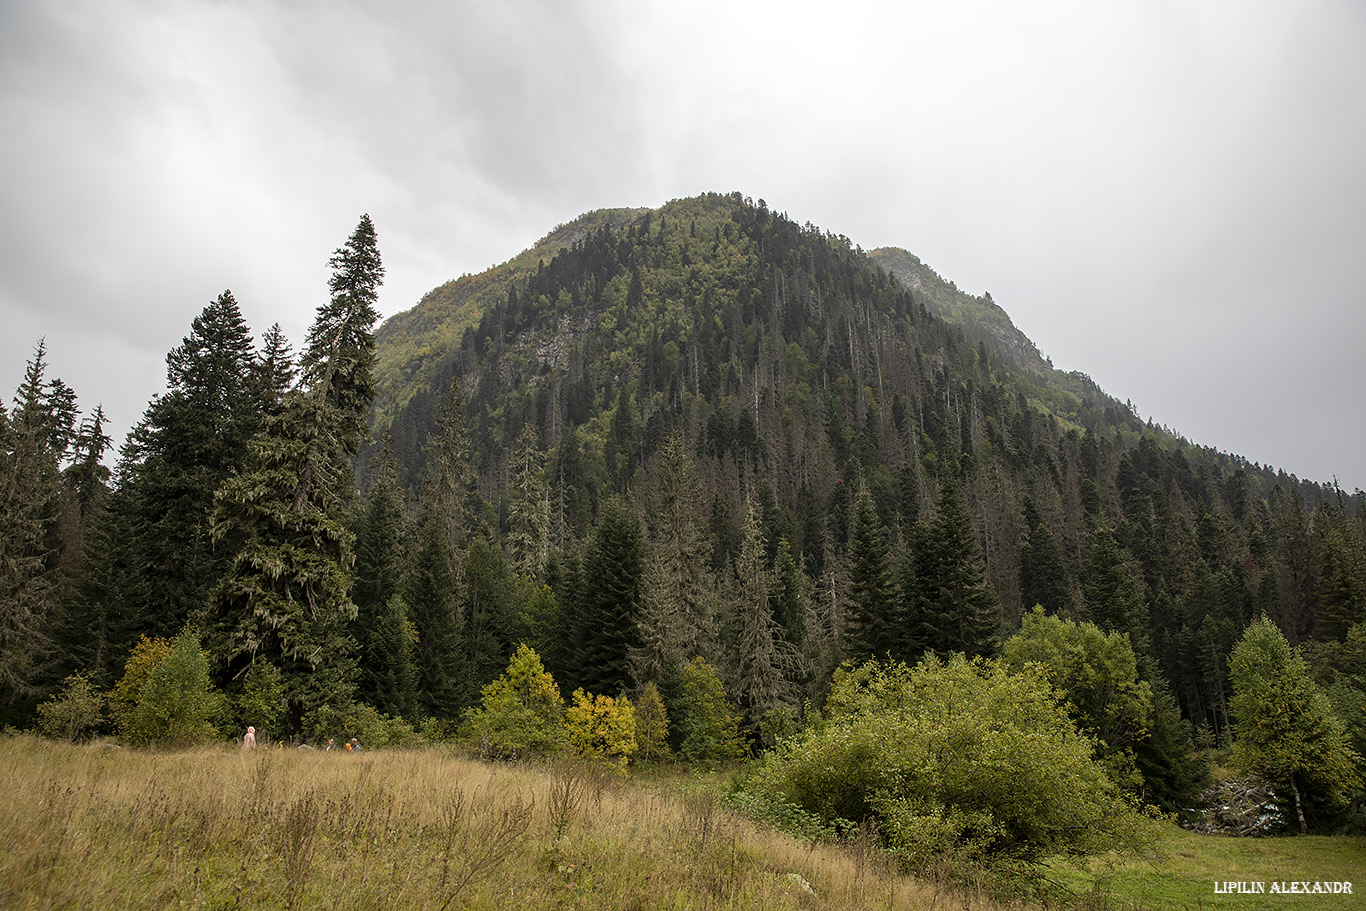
pixel 953 758
pixel 176 704
pixel 73 714
pixel 708 722
pixel 374 729
pixel 123 700
pixel 263 700
pixel 521 713
pixel 1097 674
pixel 652 725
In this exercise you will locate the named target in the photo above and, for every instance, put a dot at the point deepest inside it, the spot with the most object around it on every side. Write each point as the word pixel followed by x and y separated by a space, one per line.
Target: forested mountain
pixel 857 405
pixel 703 431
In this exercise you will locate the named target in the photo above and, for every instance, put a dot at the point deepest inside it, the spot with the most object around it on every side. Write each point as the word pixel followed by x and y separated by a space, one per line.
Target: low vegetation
pixel 1183 873
pixel 953 761
pixel 98 826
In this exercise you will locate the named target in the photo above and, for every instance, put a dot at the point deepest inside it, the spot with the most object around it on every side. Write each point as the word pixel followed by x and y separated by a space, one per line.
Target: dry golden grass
pixel 101 827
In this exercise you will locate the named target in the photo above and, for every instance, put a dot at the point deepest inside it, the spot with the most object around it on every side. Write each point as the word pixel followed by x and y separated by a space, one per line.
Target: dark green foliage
pixel 338 362
pixel 188 444
pixel 429 591
pixel 30 584
pixel 274 373
pixel 765 661
pixel 379 531
pixel 388 674
pixel 1043 576
pixel 287 596
pixel 873 625
pixel 958 607
pixel 1174 772
pixel 786 596
pixel 609 602
pixel 678 597
pixel 1340 668
pixel 489 612
pixel 528 538
pixel 1113 601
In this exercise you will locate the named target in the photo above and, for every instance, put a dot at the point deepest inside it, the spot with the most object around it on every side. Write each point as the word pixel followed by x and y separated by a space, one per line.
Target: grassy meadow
pixel 1184 873
pixel 99 826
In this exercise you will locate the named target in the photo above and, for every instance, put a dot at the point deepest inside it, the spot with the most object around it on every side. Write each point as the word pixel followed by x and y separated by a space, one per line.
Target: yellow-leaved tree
pixel 521 713
pixel 602 729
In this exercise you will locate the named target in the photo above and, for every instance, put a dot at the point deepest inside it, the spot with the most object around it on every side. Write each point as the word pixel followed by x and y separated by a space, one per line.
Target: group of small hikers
pixel 351 746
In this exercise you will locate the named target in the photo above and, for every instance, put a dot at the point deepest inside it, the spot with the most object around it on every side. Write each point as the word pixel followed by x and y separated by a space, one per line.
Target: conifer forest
pixel 703 457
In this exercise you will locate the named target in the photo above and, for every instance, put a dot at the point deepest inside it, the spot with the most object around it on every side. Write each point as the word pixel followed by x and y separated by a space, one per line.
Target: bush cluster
pixel 959 758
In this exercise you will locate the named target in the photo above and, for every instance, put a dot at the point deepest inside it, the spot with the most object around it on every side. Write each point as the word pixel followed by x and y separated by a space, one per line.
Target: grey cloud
pixel 1167 197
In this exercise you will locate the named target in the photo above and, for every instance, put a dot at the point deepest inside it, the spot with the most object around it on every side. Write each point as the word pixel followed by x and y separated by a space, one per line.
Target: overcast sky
pixel 1169 196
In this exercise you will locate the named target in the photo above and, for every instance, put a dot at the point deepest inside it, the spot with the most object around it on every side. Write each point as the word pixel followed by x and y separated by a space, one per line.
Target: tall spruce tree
pixel 389 675
pixel 872 627
pixel 678 600
pixel 189 442
pixel 30 583
pixel 429 591
pixel 1043 576
pixel 765 662
pixel 287 597
pixel 490 617
pixel 379 530
pixel 960 607
pixel 610 601
pixel 528 508
pixel 1113 600
pixel 432 583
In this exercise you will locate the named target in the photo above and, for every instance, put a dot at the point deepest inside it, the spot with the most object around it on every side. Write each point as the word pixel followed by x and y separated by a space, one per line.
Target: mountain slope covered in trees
pixel 680 450
pixel 850 401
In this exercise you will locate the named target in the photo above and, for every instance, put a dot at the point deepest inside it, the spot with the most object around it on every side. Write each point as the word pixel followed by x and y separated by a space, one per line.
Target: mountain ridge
pixel 436 323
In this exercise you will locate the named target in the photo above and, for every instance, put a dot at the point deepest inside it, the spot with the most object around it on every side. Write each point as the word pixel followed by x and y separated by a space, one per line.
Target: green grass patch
pixel 1186 868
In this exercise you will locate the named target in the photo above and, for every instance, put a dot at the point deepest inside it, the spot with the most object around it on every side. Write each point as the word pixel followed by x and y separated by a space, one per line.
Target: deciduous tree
pixel 1285 728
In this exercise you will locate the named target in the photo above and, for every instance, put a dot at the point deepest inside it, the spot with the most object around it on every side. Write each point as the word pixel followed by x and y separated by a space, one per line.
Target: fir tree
pixel 378 571
pixel 1043 577
pixel 287 598
pixel 871 627
pixel 528 508
pixel 1113 601
pixel 30 585
pixel 429 591
pixel 610 601
pixel 189 442
pixel 765 662
pixel 489 616
pixel 388 674
pixel 787 595
pixel 338 361
pixel 275 370
pixel 678 602
pixel 961 608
